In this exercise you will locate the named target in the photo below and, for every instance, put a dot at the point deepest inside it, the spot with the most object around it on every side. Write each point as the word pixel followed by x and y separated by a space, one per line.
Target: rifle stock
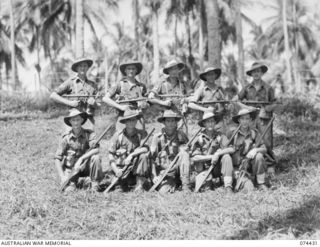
pixel 206 174
pixel 131 100
pixel 172 164
pixel 245 163
pixel 77 171
pixel 128 168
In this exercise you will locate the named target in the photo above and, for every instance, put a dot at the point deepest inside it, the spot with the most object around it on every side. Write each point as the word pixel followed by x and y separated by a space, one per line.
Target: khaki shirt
pixel 73 147
pixel 203 142
pixel 243 143
pixel 122 144
pixel 265 93
pixel 166 87
pixel 168 154
pixel 75 85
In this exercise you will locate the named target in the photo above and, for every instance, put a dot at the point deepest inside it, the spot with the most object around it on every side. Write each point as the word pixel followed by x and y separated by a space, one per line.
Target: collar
pixel 205 134
pixel 263 85
pixel 135 132
pixel 78 79
pixel 81 134
pixel 175 134
pixel 244 134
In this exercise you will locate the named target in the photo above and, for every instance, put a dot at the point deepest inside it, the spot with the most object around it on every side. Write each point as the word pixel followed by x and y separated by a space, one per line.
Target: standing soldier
pixel 245 147
pixel 72 152
pixel 171 86
pixel 208 91
pixel 165 146
pixel 259 90
pixel 124 147
pixel 210 147
pixel 78 85
pixel 127 89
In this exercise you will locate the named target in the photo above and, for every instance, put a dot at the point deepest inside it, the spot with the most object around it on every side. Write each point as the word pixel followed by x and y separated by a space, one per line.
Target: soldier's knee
pixel 96 158
pixel 259 157
pixel 226 158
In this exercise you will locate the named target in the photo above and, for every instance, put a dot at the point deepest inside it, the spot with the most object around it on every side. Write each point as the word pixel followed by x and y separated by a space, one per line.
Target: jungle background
pixel 39 40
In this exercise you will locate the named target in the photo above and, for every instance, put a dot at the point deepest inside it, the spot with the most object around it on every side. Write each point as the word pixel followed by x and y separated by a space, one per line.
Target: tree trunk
pixel 214 39
pixel 13 50
pixel 200 11
pixel 156 55
pixel 79 29
pixel 295 66
pixel 136 17
pixel 175 33
pixel 190 56
pixel 286 44
pixel 240 62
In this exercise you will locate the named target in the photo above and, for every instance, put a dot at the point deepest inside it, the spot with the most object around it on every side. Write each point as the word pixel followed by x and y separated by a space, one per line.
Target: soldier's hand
pixel 125 108
pixel 252 153
pixel 214 158
pixel 210 109
pixel 91 101
pixel 74 103
pixel 143 105
pixel 168 102
pixel 119 173
pixel 127 160
pixel 155 179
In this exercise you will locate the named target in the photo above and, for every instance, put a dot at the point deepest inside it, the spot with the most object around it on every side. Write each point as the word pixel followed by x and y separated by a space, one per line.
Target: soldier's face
pixel 131 71
pixel 82 68
pixel 211 76
pixel 131 123
pixel 257 74
pixel 76 122
pixel 170 124
pixel 245 120
pixel 174 71
pixel 209 124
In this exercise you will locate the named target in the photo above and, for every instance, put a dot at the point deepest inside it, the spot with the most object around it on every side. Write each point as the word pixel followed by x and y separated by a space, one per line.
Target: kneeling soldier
pixel 165 146
pixel 124 147
pixel 72 152
pixel 249 148
pixel 209 148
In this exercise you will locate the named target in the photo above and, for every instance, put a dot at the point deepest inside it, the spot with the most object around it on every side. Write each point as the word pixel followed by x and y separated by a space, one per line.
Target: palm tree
pixel 13 51
pixel 214 40
pixel 136 18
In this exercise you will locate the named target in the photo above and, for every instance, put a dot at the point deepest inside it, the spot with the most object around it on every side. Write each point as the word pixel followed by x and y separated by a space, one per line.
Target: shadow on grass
pixel 295 223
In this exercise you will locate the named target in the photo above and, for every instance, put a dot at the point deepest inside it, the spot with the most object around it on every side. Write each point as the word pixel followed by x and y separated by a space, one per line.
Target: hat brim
pixel 124 119
pixel 216 119
pixel 161 119
pixel 264 69
pixel 180 67
pixel 82 114
pixel 137 65
pixel 74 65
pixel 253 114
pixel 203 75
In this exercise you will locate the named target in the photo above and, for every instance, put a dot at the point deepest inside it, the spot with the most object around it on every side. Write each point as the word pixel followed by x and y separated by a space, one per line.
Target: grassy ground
pixel 32 207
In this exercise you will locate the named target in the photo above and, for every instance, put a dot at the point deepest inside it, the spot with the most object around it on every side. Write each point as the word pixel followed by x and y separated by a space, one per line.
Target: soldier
pixel 164 148
pixel 208 91
pixel 78 85
pixel 72 152
pixel 171 86
pixel 245 149
pixel 128 88
pixel 259 90
pixel 124 147
pixel 210 146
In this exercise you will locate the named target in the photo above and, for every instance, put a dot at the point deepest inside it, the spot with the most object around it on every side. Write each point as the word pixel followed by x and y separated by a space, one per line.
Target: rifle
pixel 77 171
pixel 80 96
pixel 251 102
pixel 129 168
pixel 173 96
pixel 214 102
pixel 245 163
pixel 207 173
pixel 172 164
pixel 131 100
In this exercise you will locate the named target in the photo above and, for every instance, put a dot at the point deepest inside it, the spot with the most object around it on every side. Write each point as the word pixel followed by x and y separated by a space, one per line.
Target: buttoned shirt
pixel 160 140
pixel 75 85
pixel 125 143
pixel 75 145
pixel 265 93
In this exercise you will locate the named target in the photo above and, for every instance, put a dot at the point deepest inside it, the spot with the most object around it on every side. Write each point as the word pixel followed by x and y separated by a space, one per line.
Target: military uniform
pixel 162 159
pixel 121 146
pixel 72 147
pixel 242 143
pixel 224 166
